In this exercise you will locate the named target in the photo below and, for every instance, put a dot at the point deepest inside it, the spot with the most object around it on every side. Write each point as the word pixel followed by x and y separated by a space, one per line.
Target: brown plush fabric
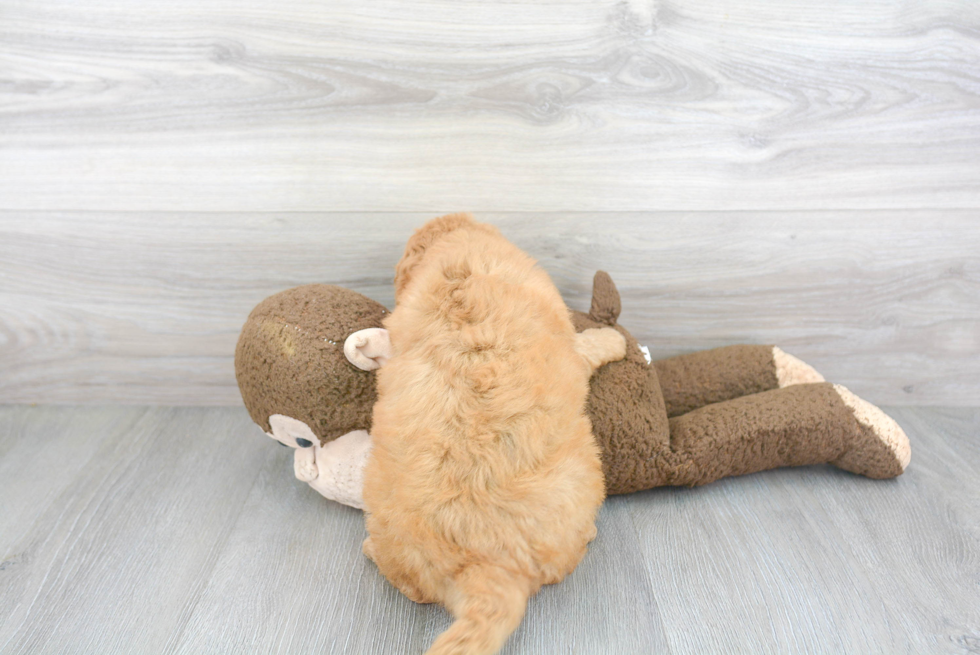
pixel 867 455
pixel 625 404
pixel 794 426
pixel 606 304
pixel 728 416
pixel 290 359
pixel 713 376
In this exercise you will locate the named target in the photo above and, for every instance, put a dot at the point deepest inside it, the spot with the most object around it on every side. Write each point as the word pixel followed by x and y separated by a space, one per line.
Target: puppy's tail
pixel 488 603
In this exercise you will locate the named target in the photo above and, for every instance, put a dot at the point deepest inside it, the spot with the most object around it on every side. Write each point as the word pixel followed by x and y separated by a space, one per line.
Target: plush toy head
pixel 297 382
pixel 290 362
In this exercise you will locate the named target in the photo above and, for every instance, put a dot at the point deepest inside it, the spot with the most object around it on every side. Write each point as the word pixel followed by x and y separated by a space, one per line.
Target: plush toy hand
pixel 340 464
pixel 368 349
pixel 304 464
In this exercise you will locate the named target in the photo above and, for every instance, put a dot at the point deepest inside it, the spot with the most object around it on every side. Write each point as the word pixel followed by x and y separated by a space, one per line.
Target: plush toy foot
pixel 883 450
pixel 790 370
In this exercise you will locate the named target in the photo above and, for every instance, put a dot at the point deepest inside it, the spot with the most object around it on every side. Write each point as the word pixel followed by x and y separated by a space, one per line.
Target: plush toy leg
pixel 866 456
pixel 794 426
pixel 713 376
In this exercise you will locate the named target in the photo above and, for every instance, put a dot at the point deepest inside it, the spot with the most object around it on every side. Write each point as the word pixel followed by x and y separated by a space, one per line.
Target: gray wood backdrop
pixel 760 171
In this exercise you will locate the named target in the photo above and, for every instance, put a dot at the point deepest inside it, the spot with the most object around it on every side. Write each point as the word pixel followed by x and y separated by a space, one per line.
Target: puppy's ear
pixel 368 349
pixel 420 241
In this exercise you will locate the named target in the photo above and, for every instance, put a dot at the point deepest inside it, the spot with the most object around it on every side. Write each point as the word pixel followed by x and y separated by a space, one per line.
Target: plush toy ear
pixel 605 299
pixel 368 349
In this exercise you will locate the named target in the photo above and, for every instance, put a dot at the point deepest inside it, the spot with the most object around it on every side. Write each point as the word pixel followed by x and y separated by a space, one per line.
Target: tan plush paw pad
pixel 884 428
pixel 791 370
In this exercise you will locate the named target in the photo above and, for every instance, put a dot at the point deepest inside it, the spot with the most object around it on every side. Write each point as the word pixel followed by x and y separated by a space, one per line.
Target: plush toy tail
pixel 488 603
pixel 606 304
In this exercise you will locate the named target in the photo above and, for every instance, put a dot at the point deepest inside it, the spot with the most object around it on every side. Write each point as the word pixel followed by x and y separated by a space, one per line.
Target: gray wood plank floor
pixel 182 530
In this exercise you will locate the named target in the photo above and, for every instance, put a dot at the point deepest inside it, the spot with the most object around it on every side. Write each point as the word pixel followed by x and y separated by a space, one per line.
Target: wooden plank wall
pixel 759 171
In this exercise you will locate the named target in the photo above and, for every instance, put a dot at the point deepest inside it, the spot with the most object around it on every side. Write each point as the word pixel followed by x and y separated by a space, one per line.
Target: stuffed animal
pixel 306 356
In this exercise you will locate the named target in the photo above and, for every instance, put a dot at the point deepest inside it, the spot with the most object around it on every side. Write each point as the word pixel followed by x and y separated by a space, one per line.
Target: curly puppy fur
pixel 485 479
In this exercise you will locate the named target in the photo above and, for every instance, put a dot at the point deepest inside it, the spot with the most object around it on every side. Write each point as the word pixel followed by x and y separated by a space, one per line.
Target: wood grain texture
pixel 115 556
pixel 147 307
pixel 527 105
pixel 906 550
pixel 183 531
pixel 294 559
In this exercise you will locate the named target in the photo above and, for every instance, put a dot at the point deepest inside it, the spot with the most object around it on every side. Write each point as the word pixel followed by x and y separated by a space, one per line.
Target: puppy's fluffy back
pixel 484 479
pixel 485 375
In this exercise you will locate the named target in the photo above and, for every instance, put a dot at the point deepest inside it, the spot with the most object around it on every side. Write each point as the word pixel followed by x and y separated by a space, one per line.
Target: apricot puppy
pixel 484 480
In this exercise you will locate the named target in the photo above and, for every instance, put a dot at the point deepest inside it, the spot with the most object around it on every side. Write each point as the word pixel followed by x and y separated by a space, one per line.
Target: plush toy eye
pixel 287 431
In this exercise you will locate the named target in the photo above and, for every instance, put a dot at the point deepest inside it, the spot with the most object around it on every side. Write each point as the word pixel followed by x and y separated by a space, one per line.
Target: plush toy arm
pixel 712 376
pixel 340 465
pixel 600 346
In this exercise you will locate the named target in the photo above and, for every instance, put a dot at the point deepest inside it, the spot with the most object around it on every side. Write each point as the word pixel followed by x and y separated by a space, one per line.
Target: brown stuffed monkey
pixel 305 361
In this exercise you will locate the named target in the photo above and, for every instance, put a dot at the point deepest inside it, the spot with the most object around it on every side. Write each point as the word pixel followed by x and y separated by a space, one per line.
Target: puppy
pixel 484 480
